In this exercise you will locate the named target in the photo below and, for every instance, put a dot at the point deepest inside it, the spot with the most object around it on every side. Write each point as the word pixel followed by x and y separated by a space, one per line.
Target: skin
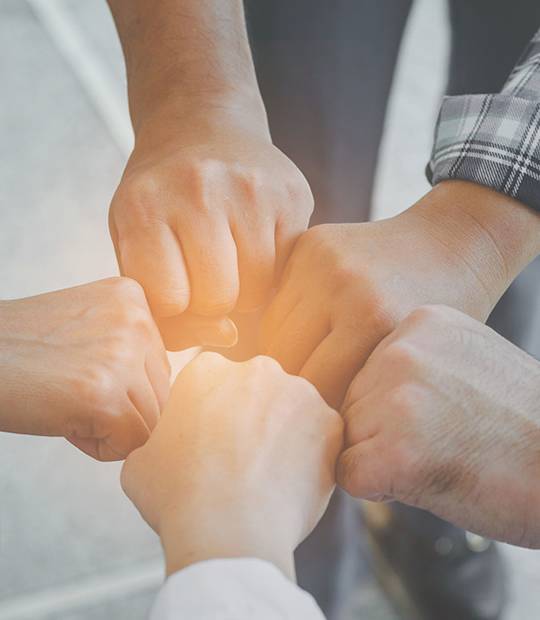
pixel 347 286
pixel 86 363
pixel 208 209
pixel 445 417
pixel 241 463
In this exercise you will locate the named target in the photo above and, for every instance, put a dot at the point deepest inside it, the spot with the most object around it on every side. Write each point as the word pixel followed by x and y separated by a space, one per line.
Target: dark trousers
pixel 325 69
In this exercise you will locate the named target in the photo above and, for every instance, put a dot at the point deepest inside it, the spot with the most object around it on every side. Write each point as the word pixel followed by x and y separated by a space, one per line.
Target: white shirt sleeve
pixel 233 589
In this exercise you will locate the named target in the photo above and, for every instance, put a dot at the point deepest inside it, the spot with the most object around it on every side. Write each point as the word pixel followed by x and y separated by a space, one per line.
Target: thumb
pixel 190 330
pixel 361 471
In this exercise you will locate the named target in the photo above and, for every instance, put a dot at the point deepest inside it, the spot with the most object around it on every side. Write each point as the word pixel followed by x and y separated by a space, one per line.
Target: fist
pixel 444 417
pixel 236 444
pixel 347 286
pixel 85 363
pixel 206 213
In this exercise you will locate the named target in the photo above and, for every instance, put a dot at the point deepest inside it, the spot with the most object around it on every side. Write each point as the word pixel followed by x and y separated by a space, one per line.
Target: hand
pixel 240 465
pixel 207 212
pixel 86 363
pixel 348 285
pixel 444 416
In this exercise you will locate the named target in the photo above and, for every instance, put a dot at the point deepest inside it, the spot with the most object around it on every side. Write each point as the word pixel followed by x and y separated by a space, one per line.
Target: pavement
pixel 71 546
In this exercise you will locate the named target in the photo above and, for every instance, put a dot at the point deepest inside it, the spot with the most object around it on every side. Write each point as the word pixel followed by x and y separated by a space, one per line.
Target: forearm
pixel 186 51
pixel 495 235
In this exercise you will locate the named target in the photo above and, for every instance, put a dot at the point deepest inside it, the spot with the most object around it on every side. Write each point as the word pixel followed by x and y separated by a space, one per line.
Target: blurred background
pixel 71 546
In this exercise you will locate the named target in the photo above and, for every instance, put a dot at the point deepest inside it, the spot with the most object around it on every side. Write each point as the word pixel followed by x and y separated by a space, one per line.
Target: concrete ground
pixel 71 546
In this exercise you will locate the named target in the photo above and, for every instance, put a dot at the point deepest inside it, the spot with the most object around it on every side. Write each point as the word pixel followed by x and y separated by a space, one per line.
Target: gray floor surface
pixel 71 546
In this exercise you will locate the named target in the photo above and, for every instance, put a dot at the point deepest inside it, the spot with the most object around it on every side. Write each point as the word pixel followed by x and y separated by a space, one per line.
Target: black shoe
pixel 432 570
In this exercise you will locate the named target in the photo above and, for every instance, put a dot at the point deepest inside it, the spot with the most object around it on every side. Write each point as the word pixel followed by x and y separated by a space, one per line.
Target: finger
pixel 336 361
pixel 154 258
pixel 276 315
pixel 197 379
pixel 130 430
pixel 361 472
pixel 365 381
pixel 210 252
pixel 144 399
pixel 256 257
pixel 371 374
pixel 286 236
pixel 96 448
pixel 297 338
pixel 127 432
pixel 363 420
pixel 157 366
pixel 189 330
pixel 158 373
pixel 113 231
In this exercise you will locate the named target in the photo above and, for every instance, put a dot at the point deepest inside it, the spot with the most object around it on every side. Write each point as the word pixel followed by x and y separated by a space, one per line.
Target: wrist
pixel 190 538
pixel 492 235
pixel 175 106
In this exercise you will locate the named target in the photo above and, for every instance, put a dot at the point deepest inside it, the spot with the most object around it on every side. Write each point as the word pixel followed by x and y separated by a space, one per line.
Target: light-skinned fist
pixel 241 463
pixel 86 363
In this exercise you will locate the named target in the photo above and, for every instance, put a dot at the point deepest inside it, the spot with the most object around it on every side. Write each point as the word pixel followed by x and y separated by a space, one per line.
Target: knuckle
pixel 98 386
pixel 170 302
pixel 198 176
pixel 132 319
pixel 430 314
pixel 380 318
pixel 205 363
pixel 318 236
pixel 311 393
pixel 127 291
pixel 265 364
pixel 139 194
pixel 251 183
pixel 403 358
pixel 343 271
pixel 209 358
pixel 299 192
pixel 84 422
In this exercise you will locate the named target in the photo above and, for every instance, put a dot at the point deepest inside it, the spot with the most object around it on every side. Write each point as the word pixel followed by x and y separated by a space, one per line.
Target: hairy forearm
pixel 496 235
pixel 184 50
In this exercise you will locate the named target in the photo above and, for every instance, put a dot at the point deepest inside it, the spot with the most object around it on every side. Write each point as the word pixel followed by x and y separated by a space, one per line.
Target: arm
pixel 240 466
pixel 86 363
pixel 445 417
pixel 208 209
pixel 493 139
pixel 461 245
pixel 349 285
pixel 186 53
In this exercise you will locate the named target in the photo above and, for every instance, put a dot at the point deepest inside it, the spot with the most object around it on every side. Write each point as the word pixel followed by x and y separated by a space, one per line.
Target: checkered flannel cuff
pixel 494 140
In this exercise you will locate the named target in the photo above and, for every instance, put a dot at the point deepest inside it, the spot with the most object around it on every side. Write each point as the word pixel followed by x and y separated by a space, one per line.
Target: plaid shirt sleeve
pixel 494 140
